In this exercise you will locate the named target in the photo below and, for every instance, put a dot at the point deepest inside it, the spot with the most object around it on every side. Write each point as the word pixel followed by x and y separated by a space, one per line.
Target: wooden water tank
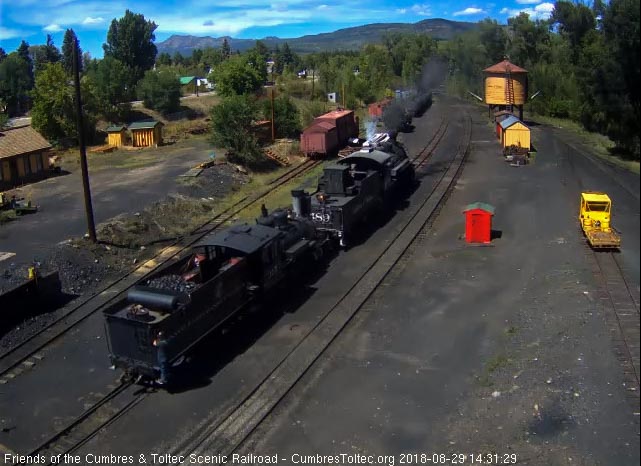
pixel 497 90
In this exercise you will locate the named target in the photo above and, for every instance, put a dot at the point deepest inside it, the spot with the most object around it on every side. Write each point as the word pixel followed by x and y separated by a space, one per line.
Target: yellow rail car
pixel 594 216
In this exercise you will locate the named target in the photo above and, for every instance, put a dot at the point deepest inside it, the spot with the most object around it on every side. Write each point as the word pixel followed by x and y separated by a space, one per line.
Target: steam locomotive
pixel 360 185
pixel 164 316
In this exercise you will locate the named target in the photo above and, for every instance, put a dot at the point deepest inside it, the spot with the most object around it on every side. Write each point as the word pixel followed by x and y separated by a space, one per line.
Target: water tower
pixel 505 87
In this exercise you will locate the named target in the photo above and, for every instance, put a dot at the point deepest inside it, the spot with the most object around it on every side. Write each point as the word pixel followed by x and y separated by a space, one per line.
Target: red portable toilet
pixel 478 222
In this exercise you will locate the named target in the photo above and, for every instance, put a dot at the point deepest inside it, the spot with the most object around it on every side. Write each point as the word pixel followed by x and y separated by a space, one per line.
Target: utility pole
pixel 91 226
pixel 273 129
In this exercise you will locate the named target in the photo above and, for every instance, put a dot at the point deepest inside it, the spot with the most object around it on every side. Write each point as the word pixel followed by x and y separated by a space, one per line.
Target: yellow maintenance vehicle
pixel 595 216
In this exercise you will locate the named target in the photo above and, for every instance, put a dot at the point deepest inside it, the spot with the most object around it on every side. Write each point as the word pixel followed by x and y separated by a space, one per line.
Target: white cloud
pixel 421 9
pixel 52 28
pixel 7 33
pixel 90 20
pixel 401 11
pixel 469 11
pixel 528 2
pixel 321 7
pixel 542 11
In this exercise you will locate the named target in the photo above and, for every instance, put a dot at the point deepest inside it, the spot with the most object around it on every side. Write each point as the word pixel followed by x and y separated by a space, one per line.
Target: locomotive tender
pixel 360 185
pixel 167 314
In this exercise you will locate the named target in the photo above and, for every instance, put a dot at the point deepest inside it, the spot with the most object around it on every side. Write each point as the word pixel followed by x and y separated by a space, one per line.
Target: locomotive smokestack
pixel 263 211
pixel 301 203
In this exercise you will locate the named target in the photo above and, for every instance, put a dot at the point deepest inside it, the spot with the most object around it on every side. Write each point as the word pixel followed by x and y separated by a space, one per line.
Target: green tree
pixel 109 78
pixel 164 59
pixel 53 113
pixel 231 122
pixel 130 39
pixel 67 52
pixel 286 116
pixel 15 83
pixel 236 76
pixel 225 49
pixel 3 54
pixel 43 54
pixel 494 38
pixel 160 90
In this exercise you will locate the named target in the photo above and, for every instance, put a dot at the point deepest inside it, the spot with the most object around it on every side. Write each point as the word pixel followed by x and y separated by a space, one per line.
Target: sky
pixel 32 20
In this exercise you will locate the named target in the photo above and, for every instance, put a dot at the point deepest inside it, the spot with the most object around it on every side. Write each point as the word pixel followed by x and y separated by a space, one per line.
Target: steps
pixel 284 161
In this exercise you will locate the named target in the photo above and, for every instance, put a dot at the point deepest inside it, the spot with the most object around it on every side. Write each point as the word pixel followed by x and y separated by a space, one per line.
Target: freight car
pixel 358 186
pixel 328 133
pixel 164 316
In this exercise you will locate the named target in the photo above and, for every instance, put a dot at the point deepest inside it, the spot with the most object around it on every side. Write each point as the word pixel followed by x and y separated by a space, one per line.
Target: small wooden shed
pixel 117 135
pixel 478 222
pixel 146 133
pixel 514 133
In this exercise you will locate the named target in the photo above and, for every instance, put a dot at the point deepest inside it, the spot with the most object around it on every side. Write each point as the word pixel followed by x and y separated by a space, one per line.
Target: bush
pixel 286 116
pixel 311 110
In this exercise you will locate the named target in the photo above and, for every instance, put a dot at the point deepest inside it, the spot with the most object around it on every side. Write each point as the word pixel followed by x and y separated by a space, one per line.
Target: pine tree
pixel 67 51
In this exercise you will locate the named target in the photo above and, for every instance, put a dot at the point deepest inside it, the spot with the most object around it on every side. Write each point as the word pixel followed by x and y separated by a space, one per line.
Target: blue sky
pixel 33 19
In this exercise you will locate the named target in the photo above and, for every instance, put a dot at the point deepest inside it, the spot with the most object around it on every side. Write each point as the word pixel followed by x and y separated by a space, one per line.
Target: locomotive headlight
pixel 320 197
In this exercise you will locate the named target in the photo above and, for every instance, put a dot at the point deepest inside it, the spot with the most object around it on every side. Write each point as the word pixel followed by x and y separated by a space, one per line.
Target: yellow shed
pixel 116 135
pixel 146 133
pixel 514 133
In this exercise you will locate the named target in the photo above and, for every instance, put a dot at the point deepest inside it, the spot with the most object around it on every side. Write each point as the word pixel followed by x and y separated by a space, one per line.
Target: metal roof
pixel 242 237
pixel 320 127
pixel 115 128
pixel 480 205
pixel 186 79
pixel 593 196
pixel 504 67
pixel 509 121
pixel 144 125
pixel 21 140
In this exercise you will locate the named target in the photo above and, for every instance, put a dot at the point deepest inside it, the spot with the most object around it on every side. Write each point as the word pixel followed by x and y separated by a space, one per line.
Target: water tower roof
pixel 504 67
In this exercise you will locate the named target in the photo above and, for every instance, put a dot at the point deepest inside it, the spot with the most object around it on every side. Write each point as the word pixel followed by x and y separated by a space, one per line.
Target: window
pixel 598 207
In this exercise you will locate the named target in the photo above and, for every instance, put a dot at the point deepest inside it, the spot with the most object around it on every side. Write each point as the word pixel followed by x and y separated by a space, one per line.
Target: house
pixel 514 133
pixel 189 84
pixel 146 133
pixel 116 135
pixel 24 156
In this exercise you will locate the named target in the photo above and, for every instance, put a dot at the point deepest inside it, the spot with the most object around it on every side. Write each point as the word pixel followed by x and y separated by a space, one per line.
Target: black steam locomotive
pixel 167 314
pixel 358 186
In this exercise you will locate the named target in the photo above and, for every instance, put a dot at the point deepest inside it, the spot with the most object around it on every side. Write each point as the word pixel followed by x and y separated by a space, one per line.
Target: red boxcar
pixel 345 123
pixel 376 109
pixel 319 139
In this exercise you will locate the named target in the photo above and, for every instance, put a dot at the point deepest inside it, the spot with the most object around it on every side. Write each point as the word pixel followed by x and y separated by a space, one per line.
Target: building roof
pixel 481 206
pixel 504 67
pixel 21 140
pixel 144 125
pixel 509 121
pixel 115 128
pixel 186 79
pixel 244 238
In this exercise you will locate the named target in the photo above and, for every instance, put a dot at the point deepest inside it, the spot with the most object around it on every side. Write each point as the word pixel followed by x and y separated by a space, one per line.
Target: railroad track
pixel 620 302
pixel 224 433
pixel 83 428
pixel 122 398
pixel 28 353
pixel 306 166
pixel 420 159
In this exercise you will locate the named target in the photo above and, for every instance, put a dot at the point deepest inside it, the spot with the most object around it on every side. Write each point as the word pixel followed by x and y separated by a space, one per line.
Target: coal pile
pixel 216 181
pixel 174 283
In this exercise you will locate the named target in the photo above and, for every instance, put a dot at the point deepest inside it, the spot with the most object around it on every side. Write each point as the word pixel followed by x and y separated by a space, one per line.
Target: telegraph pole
pixel 91 226
pixel 273 129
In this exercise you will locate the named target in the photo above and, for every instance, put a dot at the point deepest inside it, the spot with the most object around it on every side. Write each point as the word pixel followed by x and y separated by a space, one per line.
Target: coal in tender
pixel 174 283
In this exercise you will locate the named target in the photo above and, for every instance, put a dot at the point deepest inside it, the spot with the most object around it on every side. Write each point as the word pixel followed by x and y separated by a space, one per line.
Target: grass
pixel 7 216
pixel 600 145
pixel 494 364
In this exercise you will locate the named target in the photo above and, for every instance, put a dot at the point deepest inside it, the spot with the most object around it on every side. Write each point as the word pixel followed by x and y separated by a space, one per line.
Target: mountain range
pixel 352 38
